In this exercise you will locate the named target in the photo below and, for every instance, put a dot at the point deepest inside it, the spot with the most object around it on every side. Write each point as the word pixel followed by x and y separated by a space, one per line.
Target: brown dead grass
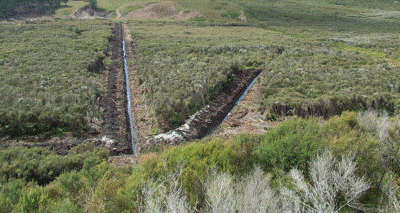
pixel 162 10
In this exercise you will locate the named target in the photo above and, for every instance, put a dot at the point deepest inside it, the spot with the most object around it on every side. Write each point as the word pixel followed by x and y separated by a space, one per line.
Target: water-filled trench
pixel 204 121
pixel 200 124
pixel 128 97
pixel 237 102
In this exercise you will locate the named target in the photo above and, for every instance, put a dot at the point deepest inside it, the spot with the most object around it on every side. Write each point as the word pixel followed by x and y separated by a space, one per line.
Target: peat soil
pixel 116 126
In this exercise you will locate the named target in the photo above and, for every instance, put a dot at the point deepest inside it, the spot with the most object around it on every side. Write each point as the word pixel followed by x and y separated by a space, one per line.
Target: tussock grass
pixel 183 67
pixel 45 78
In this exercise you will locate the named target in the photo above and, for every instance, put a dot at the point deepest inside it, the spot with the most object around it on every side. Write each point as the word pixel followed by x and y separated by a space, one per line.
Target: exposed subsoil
pixel 87 12
pixel 245 117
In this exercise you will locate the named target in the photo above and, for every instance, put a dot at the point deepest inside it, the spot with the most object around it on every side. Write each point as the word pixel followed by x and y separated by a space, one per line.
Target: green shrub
pixel 43 166
pixel 290 144
pixel 10 194
pixel 71 183
pixel 196 161
pixel 345 135
pixel 64 206
pixel 32 200
pixel 108 196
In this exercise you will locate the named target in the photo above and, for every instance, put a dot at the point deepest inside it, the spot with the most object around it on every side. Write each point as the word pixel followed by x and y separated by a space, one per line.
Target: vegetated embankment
pixel 205 120
pixel 116 122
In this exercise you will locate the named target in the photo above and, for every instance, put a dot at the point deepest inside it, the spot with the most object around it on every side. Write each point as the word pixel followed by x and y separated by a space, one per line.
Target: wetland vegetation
pixel 329 84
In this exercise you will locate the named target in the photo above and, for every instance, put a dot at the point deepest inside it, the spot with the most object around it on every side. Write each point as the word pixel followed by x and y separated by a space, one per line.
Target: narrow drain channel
pixel 237 102
pixel 128 96
pixel 207 119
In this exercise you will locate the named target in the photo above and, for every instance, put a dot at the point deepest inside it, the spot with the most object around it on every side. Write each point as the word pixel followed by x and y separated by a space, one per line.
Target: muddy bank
pixel 334 106
pixel 116 123
pixel 205 120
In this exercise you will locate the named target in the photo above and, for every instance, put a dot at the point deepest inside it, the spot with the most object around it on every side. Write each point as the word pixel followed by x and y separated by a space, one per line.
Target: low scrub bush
pixel 42 165
pixel 333 186
pixel 293 143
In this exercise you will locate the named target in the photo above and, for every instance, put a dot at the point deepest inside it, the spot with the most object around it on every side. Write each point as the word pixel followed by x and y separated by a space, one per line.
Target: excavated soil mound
pixel 89 13
pixel 162 10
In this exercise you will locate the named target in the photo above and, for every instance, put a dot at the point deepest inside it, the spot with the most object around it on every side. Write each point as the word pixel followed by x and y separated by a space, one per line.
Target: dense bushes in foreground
pixel 210 174
pixel 45 84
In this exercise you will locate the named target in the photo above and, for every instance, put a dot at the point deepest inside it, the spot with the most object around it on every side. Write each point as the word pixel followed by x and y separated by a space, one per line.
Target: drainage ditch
pixel 209 117
pixel 128 98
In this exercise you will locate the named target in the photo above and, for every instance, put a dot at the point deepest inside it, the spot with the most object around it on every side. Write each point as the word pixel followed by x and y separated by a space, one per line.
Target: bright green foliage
pixel 42 165
pixel 108 191
pixel 44 80
pixel 10 194
pixel 293 143
pixel 345 136
pixel 65 182
pixel 94 186
pixel 30 200
pixel 196 161
pixel 290 144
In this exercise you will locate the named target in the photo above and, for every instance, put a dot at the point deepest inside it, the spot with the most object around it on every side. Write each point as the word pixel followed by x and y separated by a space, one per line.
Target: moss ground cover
pixel 45 78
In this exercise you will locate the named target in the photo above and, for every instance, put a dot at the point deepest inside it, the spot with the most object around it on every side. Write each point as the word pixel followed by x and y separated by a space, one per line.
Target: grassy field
pixel 46 80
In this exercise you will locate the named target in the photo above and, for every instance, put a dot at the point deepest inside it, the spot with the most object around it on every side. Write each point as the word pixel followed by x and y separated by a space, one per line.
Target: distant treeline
pixel 10 8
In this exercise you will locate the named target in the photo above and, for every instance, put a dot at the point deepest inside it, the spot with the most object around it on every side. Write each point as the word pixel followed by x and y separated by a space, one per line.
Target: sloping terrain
pixel 162 10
